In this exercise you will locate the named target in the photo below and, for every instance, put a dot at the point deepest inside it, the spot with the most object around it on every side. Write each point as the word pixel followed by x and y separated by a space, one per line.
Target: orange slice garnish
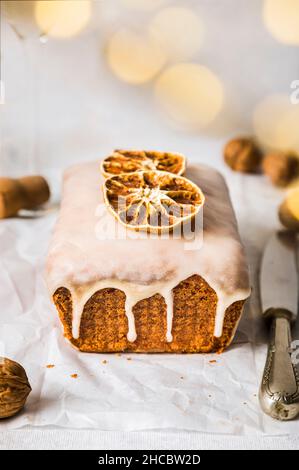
pixel 154 201
pixel 129 161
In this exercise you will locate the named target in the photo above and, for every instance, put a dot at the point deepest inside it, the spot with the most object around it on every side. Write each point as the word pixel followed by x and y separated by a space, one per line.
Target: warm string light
pixel 276 123
pixel 281 18
pixel 143 5
pixel 63 19
pixel 178 31
pixel 190 94
pixel 137 57
pixel 59 18
pixel 133 57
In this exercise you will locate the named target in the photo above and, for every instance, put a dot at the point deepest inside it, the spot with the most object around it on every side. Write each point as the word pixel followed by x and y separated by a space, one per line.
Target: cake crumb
pixel 212 361
pixel 50 366
pixel 118 354
pixel 181 377
pixel 129 359
pixel 104 361
pixel 74 376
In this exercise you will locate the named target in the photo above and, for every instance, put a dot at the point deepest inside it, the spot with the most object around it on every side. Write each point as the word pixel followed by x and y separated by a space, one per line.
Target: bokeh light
pixel 276 123
pixel 63 19
pixel 146 5
pixel 133 57
pixel 281 18
pixel 190 94
pixel 20 15
pixel 178 31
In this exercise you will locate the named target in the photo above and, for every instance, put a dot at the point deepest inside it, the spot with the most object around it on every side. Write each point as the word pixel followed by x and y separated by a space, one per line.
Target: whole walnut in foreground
pixel 242 154
pixel 14 387
pixel 281 168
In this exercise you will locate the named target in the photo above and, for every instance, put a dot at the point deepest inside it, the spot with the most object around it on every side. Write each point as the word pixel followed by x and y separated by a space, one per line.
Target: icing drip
pixel 224 302
pixel 78 306
pixel 131 335
pixel 168 297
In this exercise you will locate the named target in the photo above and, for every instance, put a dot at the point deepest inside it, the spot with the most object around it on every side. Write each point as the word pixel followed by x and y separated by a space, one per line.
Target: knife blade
pixel 279 391
pixel 279 279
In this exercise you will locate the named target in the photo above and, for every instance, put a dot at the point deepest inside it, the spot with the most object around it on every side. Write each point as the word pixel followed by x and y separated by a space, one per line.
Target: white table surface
pixel 99 440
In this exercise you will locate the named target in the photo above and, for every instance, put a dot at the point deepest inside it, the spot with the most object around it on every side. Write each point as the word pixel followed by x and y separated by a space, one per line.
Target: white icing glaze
pixel 86 254
pixel 168 297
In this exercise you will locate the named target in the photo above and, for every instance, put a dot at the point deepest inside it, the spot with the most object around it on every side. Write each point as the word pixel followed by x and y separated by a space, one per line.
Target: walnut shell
pixel 14 387
pixel 281 168
pixel 242 154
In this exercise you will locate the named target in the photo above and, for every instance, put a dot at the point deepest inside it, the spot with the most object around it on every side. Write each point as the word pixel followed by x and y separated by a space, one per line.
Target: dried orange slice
pixel 154 201
pixel 129 161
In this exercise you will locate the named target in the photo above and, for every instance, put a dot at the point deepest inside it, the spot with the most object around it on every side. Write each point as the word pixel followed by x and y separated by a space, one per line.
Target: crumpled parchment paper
pixel 208 393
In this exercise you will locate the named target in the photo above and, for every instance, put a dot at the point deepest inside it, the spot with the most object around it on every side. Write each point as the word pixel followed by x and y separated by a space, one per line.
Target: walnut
pixel 281 168
pixel 289 211
pixel 14 387
pixel 242 154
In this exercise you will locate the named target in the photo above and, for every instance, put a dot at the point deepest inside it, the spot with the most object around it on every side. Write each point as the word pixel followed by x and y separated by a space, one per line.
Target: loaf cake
pixel 118 291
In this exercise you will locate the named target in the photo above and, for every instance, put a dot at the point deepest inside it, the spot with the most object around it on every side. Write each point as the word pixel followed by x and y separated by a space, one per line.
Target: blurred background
pixel 81 77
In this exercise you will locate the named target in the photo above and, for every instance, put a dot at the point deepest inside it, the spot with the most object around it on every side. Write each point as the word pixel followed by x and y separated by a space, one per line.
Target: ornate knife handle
pixel 279 391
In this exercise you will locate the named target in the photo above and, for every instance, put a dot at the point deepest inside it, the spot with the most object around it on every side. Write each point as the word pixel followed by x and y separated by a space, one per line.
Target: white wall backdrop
pixel 84 110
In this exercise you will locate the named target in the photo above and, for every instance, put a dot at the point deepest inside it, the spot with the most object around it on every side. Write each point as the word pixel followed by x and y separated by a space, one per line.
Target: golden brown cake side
pixel 104 324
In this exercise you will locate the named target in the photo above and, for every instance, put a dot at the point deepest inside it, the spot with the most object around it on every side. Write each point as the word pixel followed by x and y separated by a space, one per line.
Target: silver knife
pixel 279 391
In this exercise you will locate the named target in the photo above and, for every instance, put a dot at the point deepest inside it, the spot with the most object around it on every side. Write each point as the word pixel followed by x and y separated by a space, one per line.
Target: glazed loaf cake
pixel 119 290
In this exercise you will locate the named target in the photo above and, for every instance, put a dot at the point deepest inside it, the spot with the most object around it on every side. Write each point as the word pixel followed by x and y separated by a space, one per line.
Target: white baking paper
pixel 208 393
